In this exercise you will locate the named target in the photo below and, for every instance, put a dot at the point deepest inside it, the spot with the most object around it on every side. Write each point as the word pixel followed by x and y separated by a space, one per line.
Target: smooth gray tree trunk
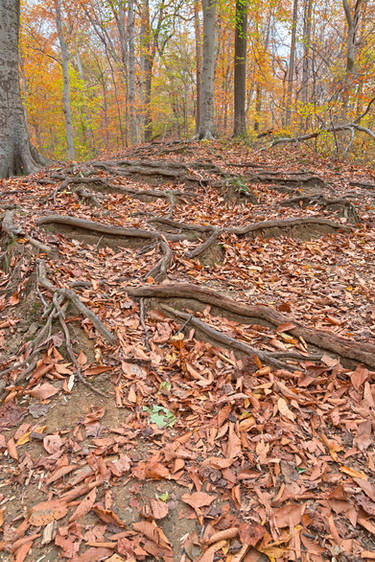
pixel 17 155
pixel 206 124
pixel 66 81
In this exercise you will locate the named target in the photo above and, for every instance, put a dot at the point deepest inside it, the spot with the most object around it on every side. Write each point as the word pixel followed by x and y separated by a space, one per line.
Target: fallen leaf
pixel 198 499
pixel 43 391
pixel 85 506
pixel 159 509
pixel 45 512
pixel 284 410
pixel 251 533
pixel 108 516
pixel 287 515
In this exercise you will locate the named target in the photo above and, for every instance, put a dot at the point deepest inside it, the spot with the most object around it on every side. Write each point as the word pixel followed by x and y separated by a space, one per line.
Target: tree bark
pixel 289 91
pixel 306 50
pixel 147 63
pixel 131 87
pixel 66 81
pixel 240 47
pixel 206 124
pixel 352 19
pixel 17 155
pixel 198 62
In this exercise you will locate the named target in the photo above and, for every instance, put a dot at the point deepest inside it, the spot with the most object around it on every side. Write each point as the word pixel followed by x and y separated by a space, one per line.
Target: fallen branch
pixel 254 314
pixel 333 129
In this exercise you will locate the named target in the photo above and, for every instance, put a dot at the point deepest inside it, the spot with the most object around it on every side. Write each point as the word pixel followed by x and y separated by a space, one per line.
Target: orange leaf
pixel 12 449
pixel 43 391
pixel 45 512
pixel 285 327
pixel 198 499
pixel 159 509
pixel 85 506
pixel 108 516
pixel 151 470
pixel 352 473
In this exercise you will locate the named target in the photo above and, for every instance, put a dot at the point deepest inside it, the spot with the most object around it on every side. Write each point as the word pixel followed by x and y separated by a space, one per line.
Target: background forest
pixel 126 71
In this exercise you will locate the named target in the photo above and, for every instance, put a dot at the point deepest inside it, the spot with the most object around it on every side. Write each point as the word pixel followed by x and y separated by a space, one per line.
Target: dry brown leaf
pixel 43 391
pixel 230 533
pixel 108 516
pixel 251 533
pixel 284 410
pixel 151 470
pixel 366 486
pixel 12 449
pixel 198 499
pixel 353 473
pixel 121 466
pixel 218 462
pixel 45 512
pixel 84 507
pixel 159 509
pixel 287 515
pixel 152 532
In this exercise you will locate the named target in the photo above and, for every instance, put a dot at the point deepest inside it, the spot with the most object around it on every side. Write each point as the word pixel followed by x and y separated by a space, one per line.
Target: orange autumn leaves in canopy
pixel 108 52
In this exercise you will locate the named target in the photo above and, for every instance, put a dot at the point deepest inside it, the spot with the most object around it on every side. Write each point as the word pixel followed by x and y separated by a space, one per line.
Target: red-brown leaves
pixel 45 512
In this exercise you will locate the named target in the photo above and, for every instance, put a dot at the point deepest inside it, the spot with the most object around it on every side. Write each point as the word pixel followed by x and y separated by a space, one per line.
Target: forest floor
pixel 187 343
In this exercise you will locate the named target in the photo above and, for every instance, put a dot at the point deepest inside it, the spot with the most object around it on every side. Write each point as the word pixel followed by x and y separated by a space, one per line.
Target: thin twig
pixel 143 323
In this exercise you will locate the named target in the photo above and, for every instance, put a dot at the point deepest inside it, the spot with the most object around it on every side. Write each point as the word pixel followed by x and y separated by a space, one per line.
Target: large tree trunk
pixel 352 19
pixel 206 124
pixel 147 63
pixel 131 86
pixel 17 156
pixel 306 50
pixel 66 81
pixel 198 62
pixel 240 46
pixel 289 91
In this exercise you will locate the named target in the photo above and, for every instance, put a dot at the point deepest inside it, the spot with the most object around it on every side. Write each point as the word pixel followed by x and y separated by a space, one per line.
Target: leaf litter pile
pixel 187 343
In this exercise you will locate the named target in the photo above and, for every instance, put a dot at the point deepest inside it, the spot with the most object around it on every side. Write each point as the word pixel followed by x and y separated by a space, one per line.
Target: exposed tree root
pixel 75 300
pixel 303 227
pixel 206 245
pixel 288 179
pixel 274 360
pixel 13 230
pixel 363 184
pixel 68 345
pixel 99 183
pixel 314 226
pixel 192 294
pixel 346 207
pixel 129 237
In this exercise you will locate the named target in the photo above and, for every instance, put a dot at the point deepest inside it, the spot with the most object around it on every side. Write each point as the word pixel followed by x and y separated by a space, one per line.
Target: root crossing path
pixel 189 331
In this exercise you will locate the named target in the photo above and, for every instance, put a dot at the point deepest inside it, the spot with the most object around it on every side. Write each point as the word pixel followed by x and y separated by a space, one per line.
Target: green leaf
pixel 161 416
